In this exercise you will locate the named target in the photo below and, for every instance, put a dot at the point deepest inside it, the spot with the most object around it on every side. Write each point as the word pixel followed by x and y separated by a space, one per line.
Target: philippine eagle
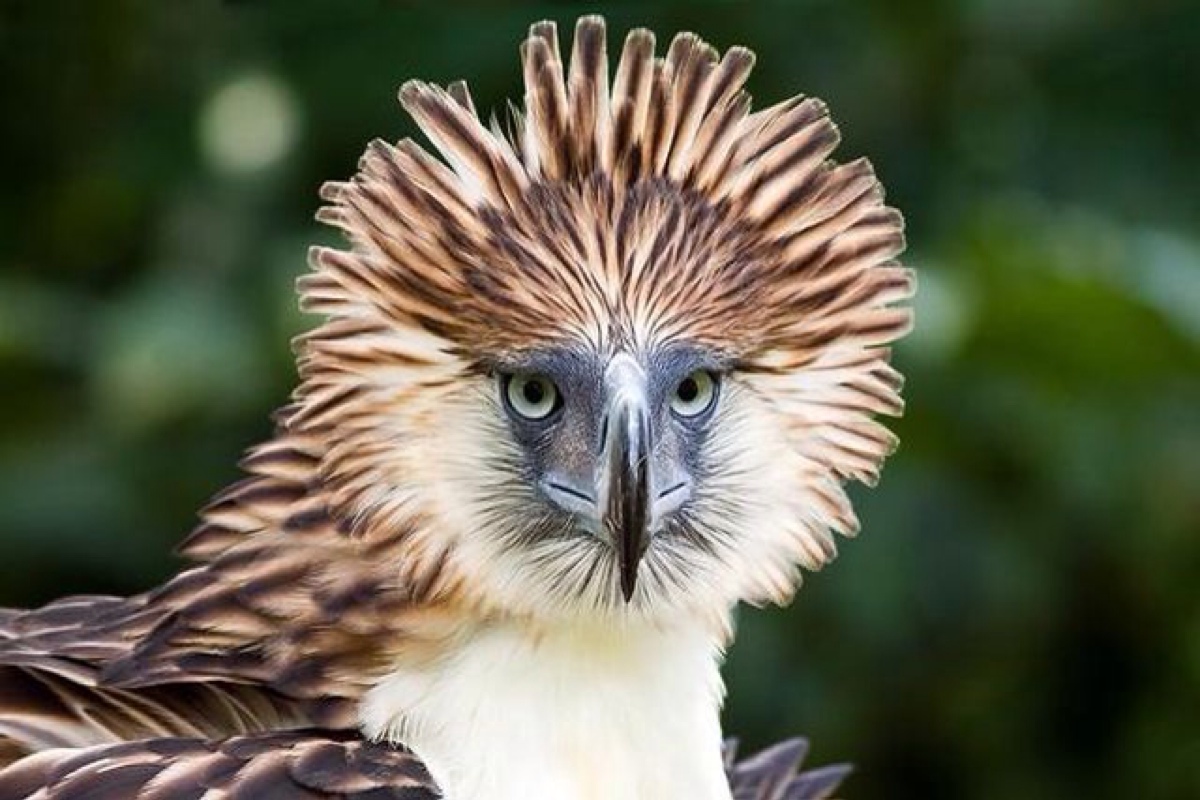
pixel 582 384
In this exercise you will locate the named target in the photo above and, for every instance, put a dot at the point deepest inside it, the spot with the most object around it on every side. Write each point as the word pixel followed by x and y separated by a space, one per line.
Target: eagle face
pixel 617 361
pixel 614 445
pixel 613 442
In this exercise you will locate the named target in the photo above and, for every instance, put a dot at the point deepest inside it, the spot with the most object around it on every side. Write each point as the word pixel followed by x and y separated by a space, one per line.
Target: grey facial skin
pixel 614 454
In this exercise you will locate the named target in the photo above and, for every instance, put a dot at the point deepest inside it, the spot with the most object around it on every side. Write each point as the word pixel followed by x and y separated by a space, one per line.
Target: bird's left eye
pixel 531 396
pixel 694 394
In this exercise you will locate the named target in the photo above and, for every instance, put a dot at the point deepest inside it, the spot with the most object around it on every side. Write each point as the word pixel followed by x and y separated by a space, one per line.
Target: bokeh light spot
pixel 248 124
pixel 944 313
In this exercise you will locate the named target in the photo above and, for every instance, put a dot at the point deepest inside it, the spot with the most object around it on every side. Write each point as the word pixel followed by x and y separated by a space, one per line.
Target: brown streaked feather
pixel 310 764
pixel 462 95
pixel 298 765
pixel 486 165
pixel 52 693
pixel 691 62
pixel 774 774
pixel 630 103
pixel 588 96
pixel 246 641
pixel 545 148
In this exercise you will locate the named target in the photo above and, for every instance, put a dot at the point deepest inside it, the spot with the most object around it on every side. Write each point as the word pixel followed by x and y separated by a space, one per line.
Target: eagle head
pixel 617 357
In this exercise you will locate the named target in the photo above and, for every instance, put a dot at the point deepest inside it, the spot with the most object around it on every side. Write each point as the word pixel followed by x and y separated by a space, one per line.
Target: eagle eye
pixel 530 396
pixel 695 394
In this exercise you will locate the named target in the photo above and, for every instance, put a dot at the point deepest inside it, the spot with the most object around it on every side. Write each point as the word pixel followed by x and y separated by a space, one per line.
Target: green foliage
pixel 1020 618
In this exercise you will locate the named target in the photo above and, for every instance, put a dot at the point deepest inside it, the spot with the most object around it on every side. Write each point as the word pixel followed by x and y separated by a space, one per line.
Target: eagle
pixel 585 379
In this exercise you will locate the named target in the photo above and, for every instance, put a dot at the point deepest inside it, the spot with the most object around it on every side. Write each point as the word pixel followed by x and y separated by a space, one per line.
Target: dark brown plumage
pixel 314 765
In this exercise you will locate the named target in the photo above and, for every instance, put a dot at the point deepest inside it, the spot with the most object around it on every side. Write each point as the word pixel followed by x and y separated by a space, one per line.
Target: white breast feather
pixel 579 713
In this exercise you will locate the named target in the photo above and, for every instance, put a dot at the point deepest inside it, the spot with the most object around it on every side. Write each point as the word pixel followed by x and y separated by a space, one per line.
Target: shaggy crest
pixel 660 209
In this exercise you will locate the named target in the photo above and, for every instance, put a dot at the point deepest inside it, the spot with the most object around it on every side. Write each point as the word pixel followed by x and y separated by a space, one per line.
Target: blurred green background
pixel 1021 618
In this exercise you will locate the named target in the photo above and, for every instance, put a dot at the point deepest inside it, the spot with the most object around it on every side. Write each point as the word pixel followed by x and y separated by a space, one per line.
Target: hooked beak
pixel 625 471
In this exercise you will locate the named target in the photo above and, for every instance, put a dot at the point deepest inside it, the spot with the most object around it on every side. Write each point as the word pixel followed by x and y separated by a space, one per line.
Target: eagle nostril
pixel 672 490
pixel 572 491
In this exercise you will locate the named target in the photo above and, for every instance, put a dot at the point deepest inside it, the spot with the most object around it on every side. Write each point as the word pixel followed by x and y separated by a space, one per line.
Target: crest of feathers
pixel 656 209
pixel 660 208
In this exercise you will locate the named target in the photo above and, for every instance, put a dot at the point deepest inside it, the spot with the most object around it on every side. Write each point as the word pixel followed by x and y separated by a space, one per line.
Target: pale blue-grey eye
pixel 530 395
pixel 695 394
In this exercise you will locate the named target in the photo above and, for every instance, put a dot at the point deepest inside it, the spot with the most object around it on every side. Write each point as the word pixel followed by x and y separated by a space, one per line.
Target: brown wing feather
pixel 774 774
pixel 315 764
pixel 300 765
pixel 289 597
pixel 284 623
pixel 52 692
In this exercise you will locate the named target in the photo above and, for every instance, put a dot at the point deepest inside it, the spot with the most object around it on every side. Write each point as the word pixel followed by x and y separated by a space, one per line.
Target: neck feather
pixel 570 712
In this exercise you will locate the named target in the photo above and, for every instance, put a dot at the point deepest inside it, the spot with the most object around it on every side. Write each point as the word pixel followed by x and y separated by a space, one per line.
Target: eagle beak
pixel 625 469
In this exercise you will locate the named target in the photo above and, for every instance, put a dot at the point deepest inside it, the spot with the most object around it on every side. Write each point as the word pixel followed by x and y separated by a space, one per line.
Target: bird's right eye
pixel 531 396
pixel 695 394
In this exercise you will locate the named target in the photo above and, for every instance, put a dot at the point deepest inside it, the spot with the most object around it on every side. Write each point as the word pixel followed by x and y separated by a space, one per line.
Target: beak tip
pixel 628 584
